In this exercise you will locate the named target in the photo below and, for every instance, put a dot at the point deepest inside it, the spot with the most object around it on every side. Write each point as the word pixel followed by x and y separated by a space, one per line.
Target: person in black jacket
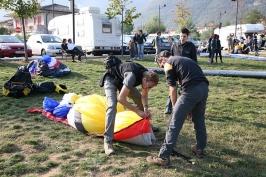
pixel 218 49
pixel 125 77
pixel 182 48
pixel 192 99
pixel 141 39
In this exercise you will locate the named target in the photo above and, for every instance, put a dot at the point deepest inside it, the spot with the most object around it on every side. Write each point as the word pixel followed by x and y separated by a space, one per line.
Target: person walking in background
pixel 218 50
pixel 125 77
pixel 157 46
pixel 182 48
pixel 230 44
pixel 132 48
pixel 209 46
pixel 192 99
pixel 213 47
pixel 255 45
pixel 141 39
pixel 135 41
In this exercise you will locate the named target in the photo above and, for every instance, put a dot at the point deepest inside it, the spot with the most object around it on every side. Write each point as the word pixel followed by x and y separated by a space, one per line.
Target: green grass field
pixel 33 146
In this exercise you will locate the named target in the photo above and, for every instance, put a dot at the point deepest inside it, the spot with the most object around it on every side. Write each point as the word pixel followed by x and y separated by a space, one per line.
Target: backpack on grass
pixel 18 85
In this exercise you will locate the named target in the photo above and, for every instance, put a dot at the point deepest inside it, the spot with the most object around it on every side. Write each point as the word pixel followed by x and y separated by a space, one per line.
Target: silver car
pixel 45 44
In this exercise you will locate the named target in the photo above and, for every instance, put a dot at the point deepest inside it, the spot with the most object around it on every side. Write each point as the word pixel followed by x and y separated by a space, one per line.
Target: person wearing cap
pixel 182 48
pixel 192 99
pixel 125 77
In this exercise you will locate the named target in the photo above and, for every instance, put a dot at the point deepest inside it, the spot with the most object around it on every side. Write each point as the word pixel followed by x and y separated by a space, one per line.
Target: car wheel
pixel 1 56
pixel 43 52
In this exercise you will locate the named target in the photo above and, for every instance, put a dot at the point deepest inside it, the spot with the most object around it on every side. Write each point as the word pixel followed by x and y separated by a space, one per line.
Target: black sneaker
pixel 199 152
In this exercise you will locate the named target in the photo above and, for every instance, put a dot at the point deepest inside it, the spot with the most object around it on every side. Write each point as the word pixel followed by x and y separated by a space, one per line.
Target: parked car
pixel 195 42
pixel 148 47
pixel 45 44
pixel 166 44
pixel 11 46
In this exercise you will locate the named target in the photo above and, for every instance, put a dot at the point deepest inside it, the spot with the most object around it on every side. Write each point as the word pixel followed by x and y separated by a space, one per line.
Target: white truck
pixel 94 32
pixel 243 30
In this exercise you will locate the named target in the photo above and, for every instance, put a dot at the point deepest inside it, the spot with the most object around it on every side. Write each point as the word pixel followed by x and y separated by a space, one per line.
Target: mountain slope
pixel 203 11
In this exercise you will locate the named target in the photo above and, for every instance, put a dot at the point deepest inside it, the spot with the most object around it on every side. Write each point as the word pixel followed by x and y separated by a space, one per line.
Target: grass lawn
pixel 33 146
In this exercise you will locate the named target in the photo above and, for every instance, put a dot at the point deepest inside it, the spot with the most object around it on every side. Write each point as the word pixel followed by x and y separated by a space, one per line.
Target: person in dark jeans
pixel 192 99
pixel 71 49
pixel 218 50
pixel 141 39
pixel 125 77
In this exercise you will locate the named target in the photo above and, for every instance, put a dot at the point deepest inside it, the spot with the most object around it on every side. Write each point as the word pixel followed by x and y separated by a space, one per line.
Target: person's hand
pixel 189 116
pixel 147 113
pixel 143 114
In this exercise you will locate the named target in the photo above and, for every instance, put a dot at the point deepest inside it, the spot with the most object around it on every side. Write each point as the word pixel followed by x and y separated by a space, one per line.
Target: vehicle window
pixel 9 39
pixel 149 40
pixel 51 39
pixel 164 40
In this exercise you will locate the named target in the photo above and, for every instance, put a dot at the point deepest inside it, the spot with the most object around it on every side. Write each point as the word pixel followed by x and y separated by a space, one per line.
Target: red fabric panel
pixel 138 128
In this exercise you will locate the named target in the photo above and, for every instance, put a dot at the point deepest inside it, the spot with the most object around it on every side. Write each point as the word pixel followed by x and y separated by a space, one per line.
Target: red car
pixel 11 46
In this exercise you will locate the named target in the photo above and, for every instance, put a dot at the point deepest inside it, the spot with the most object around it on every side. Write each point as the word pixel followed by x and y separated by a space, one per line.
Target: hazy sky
pixel 102 4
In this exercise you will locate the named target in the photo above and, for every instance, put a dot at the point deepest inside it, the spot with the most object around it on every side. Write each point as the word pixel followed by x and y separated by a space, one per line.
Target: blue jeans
pixel 140 51
pixel 193 100
pixel 110 92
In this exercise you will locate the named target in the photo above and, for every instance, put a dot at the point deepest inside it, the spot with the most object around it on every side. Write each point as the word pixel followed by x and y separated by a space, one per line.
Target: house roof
pixel 57 8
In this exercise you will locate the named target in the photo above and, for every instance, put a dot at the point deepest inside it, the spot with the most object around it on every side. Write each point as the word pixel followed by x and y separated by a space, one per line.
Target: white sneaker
pixel 108 148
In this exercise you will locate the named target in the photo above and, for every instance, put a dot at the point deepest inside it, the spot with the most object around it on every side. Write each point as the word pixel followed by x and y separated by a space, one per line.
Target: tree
pixel 117 7
pixel 227 23
pixel 4 30
pixel 182 13
pixel 192 28
pixel 152 25
pixel 206 34
pixel 128 29
pixel 21 9
pixel 253 17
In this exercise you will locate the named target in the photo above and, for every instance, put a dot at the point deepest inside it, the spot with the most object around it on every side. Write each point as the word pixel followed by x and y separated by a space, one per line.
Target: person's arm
pixel 173 94
pixel 194 54
pixel 144 99
pixel 122 98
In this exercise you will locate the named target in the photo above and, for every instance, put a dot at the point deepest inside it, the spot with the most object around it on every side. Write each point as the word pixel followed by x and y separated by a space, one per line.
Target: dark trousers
pixel 218 51
pixel 75 51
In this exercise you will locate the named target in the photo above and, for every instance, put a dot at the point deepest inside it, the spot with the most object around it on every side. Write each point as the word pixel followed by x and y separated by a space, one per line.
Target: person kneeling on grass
pixel 192 101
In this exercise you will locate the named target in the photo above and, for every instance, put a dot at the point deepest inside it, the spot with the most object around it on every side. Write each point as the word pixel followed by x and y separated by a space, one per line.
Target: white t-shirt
pixel 71 46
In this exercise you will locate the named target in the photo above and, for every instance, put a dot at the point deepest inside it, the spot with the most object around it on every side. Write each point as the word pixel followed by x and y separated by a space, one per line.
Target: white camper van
pixel 94 32
pixel 243 30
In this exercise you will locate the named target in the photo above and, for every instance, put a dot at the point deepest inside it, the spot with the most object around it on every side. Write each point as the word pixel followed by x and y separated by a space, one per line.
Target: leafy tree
pixel 4 30
pixel 128 29
pixel 152 25
pixel 206 34
pixel 21 9
pixel 117 7
pixel 227 23
pixel 192 28
pixel 182 13
pixel 253 17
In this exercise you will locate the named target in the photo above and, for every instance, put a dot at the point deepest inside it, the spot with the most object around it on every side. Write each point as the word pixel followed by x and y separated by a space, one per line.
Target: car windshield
pixel 51 39
pixel 175 40
pixel 9 39
pixel 164 40
pixel 149 40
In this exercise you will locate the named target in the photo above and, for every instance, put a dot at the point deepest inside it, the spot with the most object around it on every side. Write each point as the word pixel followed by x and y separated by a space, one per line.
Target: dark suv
pixel 11 46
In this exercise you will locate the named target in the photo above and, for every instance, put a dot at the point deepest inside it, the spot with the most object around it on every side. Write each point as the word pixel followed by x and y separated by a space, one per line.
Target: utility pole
pixel 159 14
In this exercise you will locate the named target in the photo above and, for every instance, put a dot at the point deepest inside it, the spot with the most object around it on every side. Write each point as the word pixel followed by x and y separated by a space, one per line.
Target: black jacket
pixel 187 49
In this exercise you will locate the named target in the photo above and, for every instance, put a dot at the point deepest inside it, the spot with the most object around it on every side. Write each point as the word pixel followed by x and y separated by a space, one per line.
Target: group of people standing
pixel 181 68
pixel 214 48
pixel 136 46
pixel 251 43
